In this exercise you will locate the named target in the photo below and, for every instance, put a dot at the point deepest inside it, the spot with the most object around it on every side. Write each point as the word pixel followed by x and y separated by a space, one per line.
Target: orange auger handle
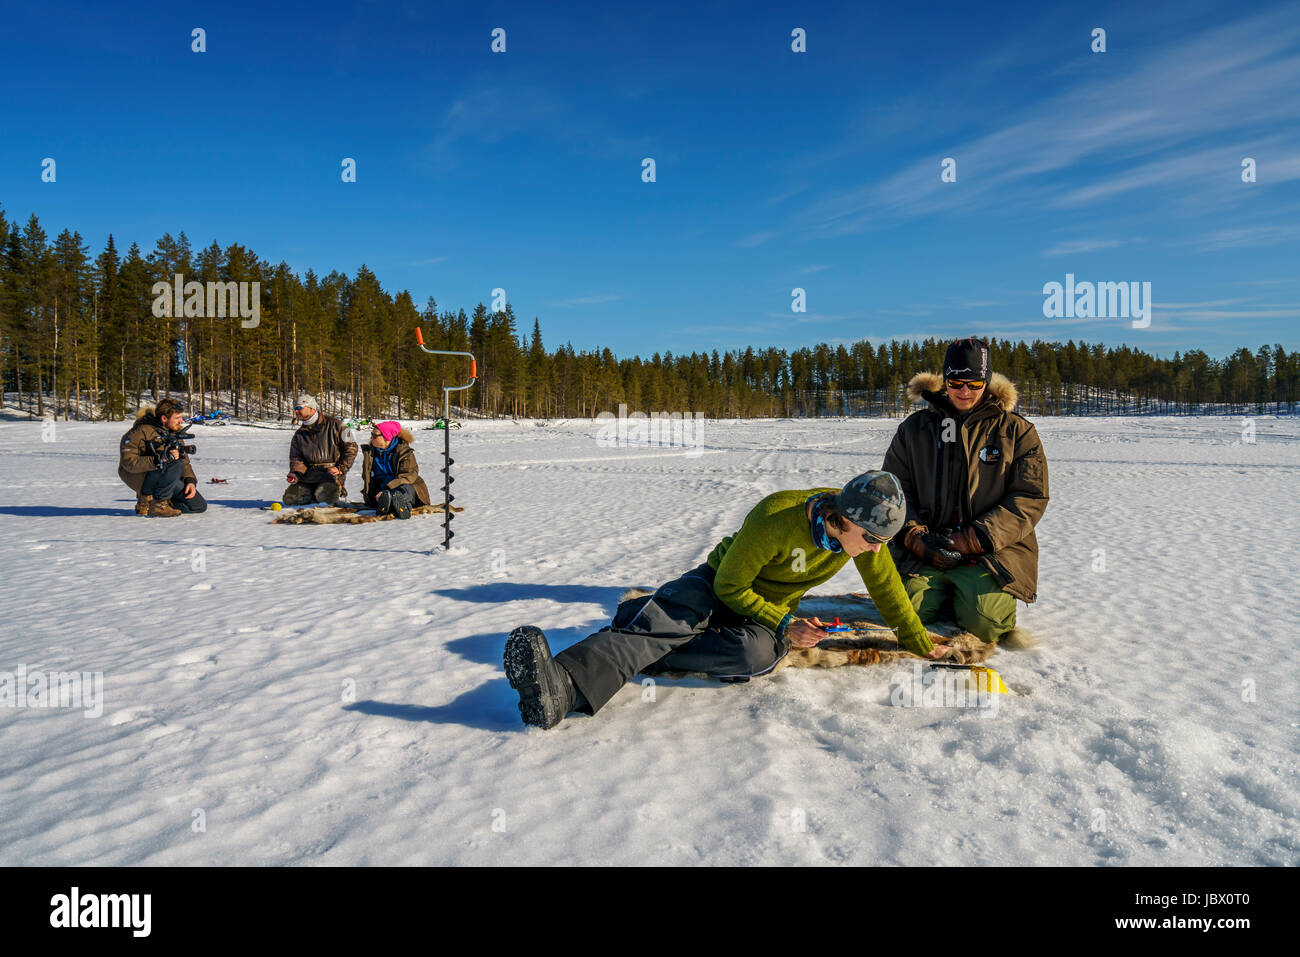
pixel 448 390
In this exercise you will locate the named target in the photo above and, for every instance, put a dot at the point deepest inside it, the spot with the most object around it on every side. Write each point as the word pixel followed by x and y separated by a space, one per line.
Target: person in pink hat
pixel 390 477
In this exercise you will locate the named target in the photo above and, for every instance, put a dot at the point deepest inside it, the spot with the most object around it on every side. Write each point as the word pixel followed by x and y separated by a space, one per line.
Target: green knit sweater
pixel 765 568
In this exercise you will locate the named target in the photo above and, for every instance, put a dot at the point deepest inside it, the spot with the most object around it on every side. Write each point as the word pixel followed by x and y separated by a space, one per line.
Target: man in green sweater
pixel 733 616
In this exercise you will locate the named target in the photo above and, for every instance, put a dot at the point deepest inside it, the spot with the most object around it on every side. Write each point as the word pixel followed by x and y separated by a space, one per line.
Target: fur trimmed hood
pixel 144 412
pixel 1000 388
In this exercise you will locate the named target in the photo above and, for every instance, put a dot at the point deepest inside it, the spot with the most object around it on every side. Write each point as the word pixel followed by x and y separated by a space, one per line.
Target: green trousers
pixel 969 595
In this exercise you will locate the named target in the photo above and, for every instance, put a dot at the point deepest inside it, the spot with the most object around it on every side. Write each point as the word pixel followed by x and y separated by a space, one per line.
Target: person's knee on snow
pixel 931 596
pixel 980 606
pixel 740 650
pixel 194 505
pixel 985 629
pixel 990 617
pixel 298 495
pixel 165 491
pixel 760 657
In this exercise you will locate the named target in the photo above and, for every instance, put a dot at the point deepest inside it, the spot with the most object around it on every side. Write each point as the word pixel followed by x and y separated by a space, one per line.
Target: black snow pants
pixel 167 484
pixel 681 627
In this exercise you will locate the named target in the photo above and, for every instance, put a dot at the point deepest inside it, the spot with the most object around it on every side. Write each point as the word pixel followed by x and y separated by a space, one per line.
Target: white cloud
pixel 1196 305
pixel 1076 246
pixel 1221 84
pixel 1257 236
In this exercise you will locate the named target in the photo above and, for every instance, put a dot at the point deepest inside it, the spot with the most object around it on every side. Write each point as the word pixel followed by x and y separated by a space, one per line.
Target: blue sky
pixel 775 169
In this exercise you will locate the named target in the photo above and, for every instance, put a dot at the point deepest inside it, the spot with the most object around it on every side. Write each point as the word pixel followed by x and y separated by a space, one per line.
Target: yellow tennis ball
pixel 275 506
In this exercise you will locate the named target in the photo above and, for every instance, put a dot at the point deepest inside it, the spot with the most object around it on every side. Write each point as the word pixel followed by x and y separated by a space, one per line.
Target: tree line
pixel 79 339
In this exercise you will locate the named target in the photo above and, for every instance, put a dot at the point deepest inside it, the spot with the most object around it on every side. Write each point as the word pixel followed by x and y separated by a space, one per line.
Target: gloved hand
pixel 967 542
pixel 932 548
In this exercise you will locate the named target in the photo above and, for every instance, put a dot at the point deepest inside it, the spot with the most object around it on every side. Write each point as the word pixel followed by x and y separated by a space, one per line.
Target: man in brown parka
pixel 975 478
pixel 320 455
pixel 161 477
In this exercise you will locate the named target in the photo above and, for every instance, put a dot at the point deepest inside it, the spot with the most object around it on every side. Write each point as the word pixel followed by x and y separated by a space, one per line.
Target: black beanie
pixel 967 359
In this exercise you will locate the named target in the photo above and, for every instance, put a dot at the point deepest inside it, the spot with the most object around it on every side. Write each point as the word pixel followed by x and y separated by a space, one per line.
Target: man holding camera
pixel 975 479
pixel 320 455
pixel 154 462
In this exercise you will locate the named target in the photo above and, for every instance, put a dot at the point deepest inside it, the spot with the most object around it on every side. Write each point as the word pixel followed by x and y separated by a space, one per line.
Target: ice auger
pixel 447 460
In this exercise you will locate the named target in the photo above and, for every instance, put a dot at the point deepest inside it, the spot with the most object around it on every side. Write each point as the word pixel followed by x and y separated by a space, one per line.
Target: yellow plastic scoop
pixel 986 679
pixel 983 679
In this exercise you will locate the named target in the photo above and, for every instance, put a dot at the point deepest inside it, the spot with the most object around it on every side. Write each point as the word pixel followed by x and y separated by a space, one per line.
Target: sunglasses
pixel 872 540
pixel 958 384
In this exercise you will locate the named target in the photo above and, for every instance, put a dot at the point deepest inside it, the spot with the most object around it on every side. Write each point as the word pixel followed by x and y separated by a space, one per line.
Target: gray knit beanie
pixel 874 502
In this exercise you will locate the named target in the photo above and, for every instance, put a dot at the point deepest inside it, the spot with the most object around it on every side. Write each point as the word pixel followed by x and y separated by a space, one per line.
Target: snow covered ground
pixel 1156 723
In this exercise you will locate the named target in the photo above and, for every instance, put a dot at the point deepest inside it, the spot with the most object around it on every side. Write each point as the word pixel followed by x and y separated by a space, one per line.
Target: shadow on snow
pixel 62 511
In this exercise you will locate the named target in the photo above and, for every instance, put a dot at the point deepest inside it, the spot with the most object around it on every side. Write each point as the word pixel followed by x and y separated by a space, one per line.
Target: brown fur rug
pixel 871 642
pixel 349 514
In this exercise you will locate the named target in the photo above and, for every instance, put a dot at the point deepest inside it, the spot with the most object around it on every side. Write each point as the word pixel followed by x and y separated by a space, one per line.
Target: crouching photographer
pixel 155 463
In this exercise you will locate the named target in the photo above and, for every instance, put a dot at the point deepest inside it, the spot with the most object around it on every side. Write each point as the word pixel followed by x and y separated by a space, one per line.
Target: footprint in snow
pixel 128 714
pixel 194 665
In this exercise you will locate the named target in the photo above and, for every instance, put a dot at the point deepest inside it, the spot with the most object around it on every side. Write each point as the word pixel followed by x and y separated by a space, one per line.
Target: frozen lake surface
pixel 334 695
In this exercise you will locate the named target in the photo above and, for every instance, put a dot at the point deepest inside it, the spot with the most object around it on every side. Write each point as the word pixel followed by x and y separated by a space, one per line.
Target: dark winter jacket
pixel 992 477
pixel 404 467
pixel 136 459
pixel 317 446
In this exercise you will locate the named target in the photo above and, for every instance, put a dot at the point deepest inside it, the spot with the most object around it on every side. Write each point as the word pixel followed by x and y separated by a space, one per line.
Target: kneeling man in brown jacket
pixel 320 455
pixel 975 478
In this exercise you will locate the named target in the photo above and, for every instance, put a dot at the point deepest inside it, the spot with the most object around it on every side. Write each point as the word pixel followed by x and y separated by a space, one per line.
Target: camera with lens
pixel 165 442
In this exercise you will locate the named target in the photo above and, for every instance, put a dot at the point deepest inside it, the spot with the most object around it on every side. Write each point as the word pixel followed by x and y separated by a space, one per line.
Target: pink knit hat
pixel 389 430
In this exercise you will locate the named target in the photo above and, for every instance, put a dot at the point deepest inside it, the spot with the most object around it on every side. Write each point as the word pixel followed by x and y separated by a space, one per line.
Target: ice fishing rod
pixel 447 460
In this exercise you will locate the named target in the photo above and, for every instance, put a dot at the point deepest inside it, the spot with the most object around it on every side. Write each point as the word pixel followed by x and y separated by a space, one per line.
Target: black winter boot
pixel 546 692
pixel 383 502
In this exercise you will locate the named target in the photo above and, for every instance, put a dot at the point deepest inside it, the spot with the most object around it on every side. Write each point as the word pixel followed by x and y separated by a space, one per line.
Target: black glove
pixel 933 548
